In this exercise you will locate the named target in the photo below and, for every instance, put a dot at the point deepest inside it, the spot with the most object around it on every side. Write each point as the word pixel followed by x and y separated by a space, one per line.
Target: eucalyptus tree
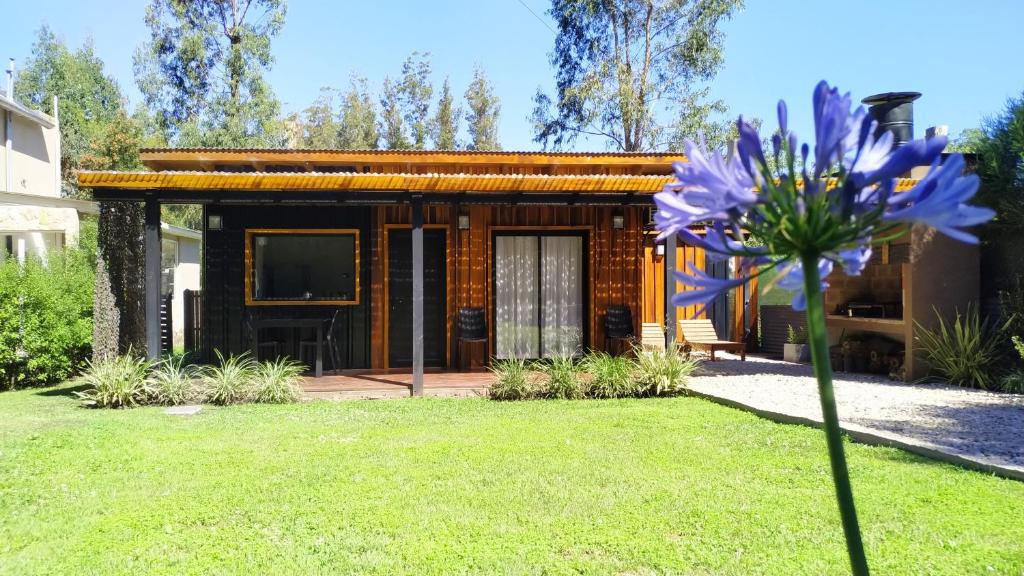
pixel 414 94
pixel 357 129
pixel 483 109
pixel 623 65
pixel 445 124
pixel 202 70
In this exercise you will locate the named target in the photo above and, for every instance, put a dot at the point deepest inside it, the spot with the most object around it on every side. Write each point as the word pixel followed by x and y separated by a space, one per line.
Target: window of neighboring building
pixel 302 267
pixel 38 244
pixel 168 263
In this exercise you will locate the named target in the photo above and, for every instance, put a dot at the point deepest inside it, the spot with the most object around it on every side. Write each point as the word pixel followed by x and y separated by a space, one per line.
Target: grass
pixel 427 486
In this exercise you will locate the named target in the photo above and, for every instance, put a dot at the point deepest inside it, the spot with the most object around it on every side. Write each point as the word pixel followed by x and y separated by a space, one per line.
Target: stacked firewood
pixel 869 353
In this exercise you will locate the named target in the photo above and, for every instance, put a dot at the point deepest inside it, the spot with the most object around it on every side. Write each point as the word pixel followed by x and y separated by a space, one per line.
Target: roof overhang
pixel 35 116
pixel 36 200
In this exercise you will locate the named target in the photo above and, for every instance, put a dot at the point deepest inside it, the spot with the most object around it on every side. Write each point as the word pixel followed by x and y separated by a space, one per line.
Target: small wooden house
pixel 387 247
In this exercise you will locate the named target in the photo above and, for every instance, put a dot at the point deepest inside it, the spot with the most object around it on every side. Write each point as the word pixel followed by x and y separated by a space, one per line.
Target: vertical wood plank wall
pixel 653 308
pixel 615 262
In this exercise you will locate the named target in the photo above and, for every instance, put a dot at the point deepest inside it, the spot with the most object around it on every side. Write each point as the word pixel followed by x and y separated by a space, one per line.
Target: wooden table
pixel 295 323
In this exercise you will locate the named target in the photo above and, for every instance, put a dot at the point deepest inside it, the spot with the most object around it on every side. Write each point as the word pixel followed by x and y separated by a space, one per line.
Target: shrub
pixel 561 379
pixel 230 382
pixel 172 381
pixel 609 376
pixel 796 335
pixel 45 318
pixel 513 380
pixel 964 352
pixel 118 382
pixel 1013 382
pixel 277 381
pixel 661 372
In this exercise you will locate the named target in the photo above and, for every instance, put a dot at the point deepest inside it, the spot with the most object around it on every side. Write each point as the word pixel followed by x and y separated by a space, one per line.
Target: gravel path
pixel 973 424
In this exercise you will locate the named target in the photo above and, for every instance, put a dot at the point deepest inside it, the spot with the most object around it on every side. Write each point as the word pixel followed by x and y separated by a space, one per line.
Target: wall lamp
pixel 214 222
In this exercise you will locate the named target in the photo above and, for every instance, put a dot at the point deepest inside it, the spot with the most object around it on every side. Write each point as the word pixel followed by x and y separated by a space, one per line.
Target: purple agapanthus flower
pixel 707 287
pixel 775 220
pixel 794 281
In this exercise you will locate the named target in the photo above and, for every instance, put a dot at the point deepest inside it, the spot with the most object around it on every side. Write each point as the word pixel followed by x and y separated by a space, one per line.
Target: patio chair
pixel 652 336
pixel 618 325
pixel 329 342
pixel 472 328
pixel 275 346
pixel 701 334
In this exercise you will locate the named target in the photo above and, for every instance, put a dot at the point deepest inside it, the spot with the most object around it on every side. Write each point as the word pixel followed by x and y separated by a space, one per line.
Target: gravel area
pixel 981 426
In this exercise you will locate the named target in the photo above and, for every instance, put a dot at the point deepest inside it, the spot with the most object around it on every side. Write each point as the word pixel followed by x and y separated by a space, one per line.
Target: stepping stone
pixel 186 410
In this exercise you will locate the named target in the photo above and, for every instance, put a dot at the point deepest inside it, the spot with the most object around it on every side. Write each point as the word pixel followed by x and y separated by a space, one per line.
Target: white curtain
pixel 517 326
pixel 561 296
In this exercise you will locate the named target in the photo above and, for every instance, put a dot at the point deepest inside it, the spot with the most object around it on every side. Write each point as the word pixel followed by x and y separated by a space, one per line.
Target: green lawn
pixel 655 486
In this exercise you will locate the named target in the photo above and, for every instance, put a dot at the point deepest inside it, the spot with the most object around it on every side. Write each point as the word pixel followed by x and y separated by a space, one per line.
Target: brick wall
pixel 879 283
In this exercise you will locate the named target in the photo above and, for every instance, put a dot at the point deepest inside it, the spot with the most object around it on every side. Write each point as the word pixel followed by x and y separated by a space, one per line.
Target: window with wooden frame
pixel 301 267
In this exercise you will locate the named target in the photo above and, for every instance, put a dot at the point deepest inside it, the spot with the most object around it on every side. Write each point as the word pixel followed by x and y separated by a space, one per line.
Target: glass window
pixel 298 267
pixel 168 263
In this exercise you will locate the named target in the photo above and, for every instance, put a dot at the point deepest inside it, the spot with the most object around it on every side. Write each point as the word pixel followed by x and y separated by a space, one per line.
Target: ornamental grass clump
pixel 609 376
pixel 230 381
pixel 276 382
pixel 806 212
pixel 561 379
pixel 118 382
pixel 173 381
pixel 662 373
pixel 965 351
pixel 513 380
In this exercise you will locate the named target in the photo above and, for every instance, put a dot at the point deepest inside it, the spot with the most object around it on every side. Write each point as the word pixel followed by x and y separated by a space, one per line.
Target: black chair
pixel 329 342
pixel 618 324
pixel 275 346
pixel 472 324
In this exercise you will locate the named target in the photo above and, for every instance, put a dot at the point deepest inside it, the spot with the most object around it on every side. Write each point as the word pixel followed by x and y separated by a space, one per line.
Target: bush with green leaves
pixel 276 382
pixel 230 381
pixel 118 382
pixel 514 379
pixel 662 372
pixel 964 352
pixel 609 376
pixel 560 378
pixel 173 381
pixel 45 318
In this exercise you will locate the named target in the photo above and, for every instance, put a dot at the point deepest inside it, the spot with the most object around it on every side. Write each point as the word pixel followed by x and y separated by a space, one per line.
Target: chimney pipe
pixel 894 112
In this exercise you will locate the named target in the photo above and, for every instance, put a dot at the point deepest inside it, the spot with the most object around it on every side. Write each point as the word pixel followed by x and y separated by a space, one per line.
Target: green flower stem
pixel 817 337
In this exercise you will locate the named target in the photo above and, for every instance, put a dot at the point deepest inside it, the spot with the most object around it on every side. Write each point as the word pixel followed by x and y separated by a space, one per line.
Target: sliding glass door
pixel 538 295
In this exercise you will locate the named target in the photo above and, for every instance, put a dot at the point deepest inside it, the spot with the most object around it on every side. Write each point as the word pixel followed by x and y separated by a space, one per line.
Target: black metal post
pixel 670 291
pixel 152 276
pixel 417 295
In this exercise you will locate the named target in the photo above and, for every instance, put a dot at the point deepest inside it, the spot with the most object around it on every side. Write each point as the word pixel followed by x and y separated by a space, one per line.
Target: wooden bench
pixel 701 334
pixel 652 336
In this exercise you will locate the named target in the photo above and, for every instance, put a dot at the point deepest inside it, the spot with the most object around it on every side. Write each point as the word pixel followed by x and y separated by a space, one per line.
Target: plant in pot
pixel 796 348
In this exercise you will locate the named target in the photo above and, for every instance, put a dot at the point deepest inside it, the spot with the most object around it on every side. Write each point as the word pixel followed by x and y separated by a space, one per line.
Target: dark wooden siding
pixel 224 310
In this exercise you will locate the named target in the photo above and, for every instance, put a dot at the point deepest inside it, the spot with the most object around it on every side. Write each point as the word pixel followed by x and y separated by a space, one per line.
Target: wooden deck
pixel 379 385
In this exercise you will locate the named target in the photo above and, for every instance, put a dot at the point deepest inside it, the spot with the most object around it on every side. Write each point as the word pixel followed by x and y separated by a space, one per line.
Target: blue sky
pixel 964 56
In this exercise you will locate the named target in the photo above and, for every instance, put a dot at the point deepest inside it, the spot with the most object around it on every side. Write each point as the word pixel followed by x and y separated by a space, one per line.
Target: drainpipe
pixel 56 148
pixel 9 129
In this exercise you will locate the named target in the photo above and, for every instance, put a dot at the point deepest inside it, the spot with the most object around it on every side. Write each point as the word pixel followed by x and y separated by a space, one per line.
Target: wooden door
pixel 399 278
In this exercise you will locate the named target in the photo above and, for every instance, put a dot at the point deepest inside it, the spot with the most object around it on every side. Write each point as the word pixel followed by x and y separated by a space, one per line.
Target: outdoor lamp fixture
pixel 463 221
pixel 618 221
pixel 659 249
pixel 214 222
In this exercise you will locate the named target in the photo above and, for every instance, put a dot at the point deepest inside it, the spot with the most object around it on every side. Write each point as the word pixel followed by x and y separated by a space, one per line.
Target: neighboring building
pixel 179 271
pixel 34 218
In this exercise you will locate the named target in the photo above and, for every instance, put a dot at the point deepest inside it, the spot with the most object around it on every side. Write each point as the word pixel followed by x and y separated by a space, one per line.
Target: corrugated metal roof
pixel 426 153
pixel 307 181
pixel 304 181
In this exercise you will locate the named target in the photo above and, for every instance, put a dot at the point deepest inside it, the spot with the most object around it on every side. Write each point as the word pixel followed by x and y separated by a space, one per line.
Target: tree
pixel 482 114
pixel 445 125
pixel 202 70
pixel 316 125
pixel 414 94
pixel 392 128
pixel 358 126
pixel 967 142
pixel 618 61
pixel 88 98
